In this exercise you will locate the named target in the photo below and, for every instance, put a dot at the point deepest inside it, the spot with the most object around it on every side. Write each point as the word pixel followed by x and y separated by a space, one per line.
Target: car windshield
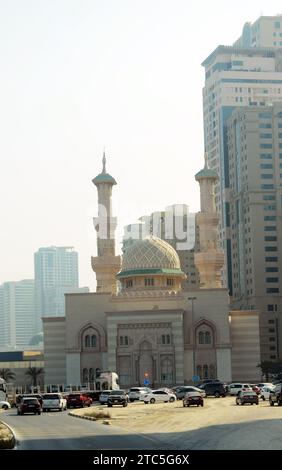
pixel 117 392
pixel 251 394
pixel 193 394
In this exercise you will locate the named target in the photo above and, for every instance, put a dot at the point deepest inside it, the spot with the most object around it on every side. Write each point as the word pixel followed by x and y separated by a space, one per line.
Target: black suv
pixel 276 395
pixel 117 397
pixel 215 389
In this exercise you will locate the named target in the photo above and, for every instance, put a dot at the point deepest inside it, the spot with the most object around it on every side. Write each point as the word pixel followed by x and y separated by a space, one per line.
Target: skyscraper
pixel 17 313
pixel 242 101
pixel 254 150
pixel 56 273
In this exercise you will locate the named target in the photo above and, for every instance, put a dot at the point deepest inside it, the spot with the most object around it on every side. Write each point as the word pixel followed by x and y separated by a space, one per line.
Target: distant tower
pixel 106 265
pixel 209 260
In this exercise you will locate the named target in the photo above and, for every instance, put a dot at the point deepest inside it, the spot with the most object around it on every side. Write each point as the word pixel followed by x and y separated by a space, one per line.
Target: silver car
pixel 103 398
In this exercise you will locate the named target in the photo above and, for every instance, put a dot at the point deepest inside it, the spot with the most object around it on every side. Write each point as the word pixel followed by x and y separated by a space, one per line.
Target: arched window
pixel 201 337
pixel 98 372
pixel 167 339
pixel 91 375
pixel 207 337
pixel 85 375
pixel 205 371
pixel 166 371
pixel 163 339
pixel 93 341
pixel 212 371
pixel 126 340
pixel 199 371
pixel 87 341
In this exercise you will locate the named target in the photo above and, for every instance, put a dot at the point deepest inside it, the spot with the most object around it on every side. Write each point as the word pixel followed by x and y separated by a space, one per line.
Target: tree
pixel 7 374
pixel 270 367
pixel 34 373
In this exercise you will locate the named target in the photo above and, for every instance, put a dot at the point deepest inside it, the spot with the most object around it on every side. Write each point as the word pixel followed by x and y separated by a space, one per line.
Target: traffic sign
pixel 146 382
pixel 195 378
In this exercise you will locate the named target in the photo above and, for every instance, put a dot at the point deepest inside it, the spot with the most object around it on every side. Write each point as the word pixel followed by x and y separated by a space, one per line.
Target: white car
pixel 159 396
pixel 265 392
pixel 53 401
pixel 235 388
pixel 138 393
pixel 103 397
pixel 4 405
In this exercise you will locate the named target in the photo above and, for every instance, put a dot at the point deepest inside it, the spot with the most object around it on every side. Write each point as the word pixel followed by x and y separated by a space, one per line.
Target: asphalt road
pixel 219 425
pixel 59 431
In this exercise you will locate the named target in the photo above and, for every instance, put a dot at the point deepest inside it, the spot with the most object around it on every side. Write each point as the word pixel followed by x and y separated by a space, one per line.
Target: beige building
pixel 140 321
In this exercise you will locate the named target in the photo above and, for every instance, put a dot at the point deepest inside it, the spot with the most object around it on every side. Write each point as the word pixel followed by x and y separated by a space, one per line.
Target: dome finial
pixel 104 162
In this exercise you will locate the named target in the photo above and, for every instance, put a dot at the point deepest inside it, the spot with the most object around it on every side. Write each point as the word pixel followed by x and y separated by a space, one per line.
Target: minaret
pixel 210 259
pixel 106 265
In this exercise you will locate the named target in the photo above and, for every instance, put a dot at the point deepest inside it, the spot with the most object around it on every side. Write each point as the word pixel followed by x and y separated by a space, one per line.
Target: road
pixel 219 425
pixel 59 431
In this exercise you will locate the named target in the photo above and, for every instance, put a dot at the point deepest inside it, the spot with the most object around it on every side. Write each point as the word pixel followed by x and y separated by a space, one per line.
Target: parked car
pixel 276 395
pixel 215 389
pixel 235 388
pixel 117 397
pixel 247 397
pixel 209 381
pixel 265 384
pixel 159 396
pixel 137 393
pixel 78 400
pixel 181 391
pixel 103 398
pixel 193 398
pixel 54 401
pixel 265 392
pixel 4 405
pixel 29 405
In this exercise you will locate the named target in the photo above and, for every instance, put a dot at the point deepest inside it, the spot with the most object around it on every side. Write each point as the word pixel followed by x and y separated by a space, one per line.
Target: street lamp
pixel 193 335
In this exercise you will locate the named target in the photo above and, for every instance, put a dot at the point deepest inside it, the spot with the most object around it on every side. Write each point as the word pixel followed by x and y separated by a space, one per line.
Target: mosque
pixel 141 323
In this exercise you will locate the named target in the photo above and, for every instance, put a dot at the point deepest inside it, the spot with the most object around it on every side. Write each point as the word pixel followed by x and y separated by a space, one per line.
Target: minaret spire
pixel 104 163
pixel 106 265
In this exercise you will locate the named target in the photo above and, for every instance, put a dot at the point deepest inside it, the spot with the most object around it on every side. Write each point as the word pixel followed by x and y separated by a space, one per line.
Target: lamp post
pixel 193 336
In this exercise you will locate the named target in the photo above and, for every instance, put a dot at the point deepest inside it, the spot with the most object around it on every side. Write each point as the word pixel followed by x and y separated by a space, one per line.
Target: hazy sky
pixel 78 75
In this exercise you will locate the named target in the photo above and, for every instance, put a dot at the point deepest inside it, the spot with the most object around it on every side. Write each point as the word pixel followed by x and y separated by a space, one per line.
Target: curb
pixel 90 418
pixel 8 443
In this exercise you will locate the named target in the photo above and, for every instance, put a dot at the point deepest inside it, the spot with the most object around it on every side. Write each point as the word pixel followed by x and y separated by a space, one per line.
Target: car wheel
pixel 279 403
pixel 152 400
pixel 5 407
pixel 242 403
pixel 237 402
pixel 271 403
pixel 39 412
pixel 109 405
pixel 216 394
pixel 202 404
pixel 125 404
pixel 131 400
pixel 263 398
pixel 171 399
pixel 188 405
pixel 257 403
pixel 146 403
pixel 61 409
pixel 184 405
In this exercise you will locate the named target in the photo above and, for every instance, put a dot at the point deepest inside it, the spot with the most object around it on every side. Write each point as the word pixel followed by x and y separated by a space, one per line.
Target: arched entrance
pixel 146 364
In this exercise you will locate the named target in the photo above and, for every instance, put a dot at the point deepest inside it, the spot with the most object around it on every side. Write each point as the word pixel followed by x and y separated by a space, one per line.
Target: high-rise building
pixel 266 31
pixel 56 273
pixel 176 225
pixel 254 152
pixel 241 103
pixel 234 77
pixel 17 313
